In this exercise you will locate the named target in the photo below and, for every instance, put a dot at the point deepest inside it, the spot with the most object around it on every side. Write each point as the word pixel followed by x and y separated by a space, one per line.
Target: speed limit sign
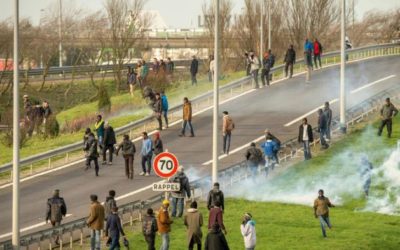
pixel 165 165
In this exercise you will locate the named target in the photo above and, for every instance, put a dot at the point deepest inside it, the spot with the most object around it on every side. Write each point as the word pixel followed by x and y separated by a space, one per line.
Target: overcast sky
pixel 176 13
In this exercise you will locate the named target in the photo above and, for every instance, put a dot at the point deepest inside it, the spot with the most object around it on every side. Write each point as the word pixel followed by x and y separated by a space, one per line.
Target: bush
pixel 104 104
pixel 52 127
pixel 7 134
pixel 78 124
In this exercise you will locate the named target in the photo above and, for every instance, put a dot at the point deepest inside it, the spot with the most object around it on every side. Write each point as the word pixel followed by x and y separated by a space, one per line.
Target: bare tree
pixel 6 38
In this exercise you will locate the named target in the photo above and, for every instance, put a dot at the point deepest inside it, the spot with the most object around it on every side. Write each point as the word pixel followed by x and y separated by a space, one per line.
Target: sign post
pixel 166 165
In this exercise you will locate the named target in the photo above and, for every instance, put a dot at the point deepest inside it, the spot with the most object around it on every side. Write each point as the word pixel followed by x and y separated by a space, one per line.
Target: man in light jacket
pixel 187 117
pixel 193 221
pixel 248 230
pixel 227 126
pixel 254 67
pixel 95 222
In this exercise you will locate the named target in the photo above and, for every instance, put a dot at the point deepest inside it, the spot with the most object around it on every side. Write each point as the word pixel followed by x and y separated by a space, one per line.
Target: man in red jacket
pixel 317 53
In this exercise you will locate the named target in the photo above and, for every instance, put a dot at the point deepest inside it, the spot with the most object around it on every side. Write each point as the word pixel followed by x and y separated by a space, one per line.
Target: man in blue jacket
pixel 147 154
pixel 269 146
pixel 114 228
pixel 164 105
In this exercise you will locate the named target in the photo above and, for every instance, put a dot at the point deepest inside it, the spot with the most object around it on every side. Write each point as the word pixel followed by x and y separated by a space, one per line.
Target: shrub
pixel 52 127
pixel 104 104
pixel 7 135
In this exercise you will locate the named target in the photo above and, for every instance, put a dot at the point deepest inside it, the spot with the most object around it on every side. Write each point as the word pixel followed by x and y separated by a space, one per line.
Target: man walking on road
pixel 321 211
pixel 322 128
pixel 290 60
pixel 109 204
pixel 194 67
pixel 95 222
pixel 187 117
pixel 254 158
pixel 194 221
pixel 114 229
pixel 317 53
pixel 164 224
pixel 215 195
pixel 227 126
pixel 178 198
pixel 308 48
pixel 164 105
pixel 56 209
pixel 306 137
pixel 91 153
pixel 150 229
pixel 388 111
pixel 147 154
pixel 128 152
pixel 328 115
pixel 109 142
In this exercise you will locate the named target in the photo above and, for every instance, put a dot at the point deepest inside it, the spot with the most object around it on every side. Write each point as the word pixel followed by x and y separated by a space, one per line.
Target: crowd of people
pixel 35 115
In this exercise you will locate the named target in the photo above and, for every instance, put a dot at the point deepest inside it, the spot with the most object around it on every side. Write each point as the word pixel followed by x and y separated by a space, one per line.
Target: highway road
pixel 281 104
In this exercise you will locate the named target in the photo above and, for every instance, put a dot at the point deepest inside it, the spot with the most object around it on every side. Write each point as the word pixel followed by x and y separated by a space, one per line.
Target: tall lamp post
pixel 262 9
pixel 59 33
pixel 216 93
pixel 15 172
pixel 269 24
pixel 343 68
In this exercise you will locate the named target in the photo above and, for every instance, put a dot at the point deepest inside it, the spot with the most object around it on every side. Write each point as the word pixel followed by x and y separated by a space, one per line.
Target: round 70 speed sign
pixel 165 165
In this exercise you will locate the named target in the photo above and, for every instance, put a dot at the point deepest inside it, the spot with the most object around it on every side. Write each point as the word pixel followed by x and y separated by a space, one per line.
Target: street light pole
pixel 269 24
pixel 216 95
pixel 15 172
pixel 262 5
pixel 59 33
pixel 343 68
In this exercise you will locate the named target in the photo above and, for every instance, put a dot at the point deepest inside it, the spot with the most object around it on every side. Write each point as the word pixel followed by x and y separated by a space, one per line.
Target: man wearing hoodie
pixel 91 152
pixel 269 146
pixel 290 60
pixel 248 230
pixel 147 154
pixel 149 228
pixel 227 126
pixel 109 142
pixel 215 195
pixel 164 105
pixel 164 224
pixel 322 128
pixel 216 239
pixel 178 198
pixel 109 204
pixel 128 152
pixel 193 221
pixel 187 117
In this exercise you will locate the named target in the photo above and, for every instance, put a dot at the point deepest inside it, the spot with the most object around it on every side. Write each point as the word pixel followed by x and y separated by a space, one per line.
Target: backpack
pixel 148 228
pixel 258 155
pixel 108 205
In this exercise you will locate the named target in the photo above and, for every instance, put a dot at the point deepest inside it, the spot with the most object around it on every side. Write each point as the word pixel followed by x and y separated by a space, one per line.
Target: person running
pixel 114 229
pixel 254 68
pixel 215 195
pixel 248 230
pixel 193 221
pixel 109 142
pixel 306 137
pixel 149 229
pixel 157 144
pixel 269 146
pixel 164 225
pixel 290 60
pixel 388 111
pixel 91 153
pixel 215 239
pixel 317 53
pixel 164 107
pixel 147 154
pixel 187 117
pixel 56 210
pixel 157 108
pixel 99 128
pixel 366 174
pixel 194 67
pixel 178 198
pixel 216 216
pixel 95 222
pixel 278 145
pixel 308 48
pixel 109 204
pixel 322 128
pixel 227 126
pixel 128 152
pixel 321 211
pixel 254 158
pixel 328 115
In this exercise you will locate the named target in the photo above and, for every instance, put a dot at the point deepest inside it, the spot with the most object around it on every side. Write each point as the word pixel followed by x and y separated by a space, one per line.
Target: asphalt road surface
pixel 270 107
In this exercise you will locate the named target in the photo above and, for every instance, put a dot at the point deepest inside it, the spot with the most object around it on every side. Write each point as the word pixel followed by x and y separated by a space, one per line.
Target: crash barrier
pixel 75 232
pixel 199 103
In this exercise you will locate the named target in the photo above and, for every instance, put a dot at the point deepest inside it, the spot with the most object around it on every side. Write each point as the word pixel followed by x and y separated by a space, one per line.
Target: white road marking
pixel 371 84
pixel 29 228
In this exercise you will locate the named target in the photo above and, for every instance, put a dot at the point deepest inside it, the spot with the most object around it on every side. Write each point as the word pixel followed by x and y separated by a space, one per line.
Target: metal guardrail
pixel 132 211
pixel 243 83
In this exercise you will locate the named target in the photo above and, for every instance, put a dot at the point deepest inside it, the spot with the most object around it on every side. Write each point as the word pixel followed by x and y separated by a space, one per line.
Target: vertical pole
pixel 269 24
pixel 342 69
pixel 216 95
pixel 15 177
pixel 59 33
pixel 262 9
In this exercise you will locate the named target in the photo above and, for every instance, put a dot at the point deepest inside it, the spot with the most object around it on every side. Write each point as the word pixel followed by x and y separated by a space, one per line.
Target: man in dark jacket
pixel 149 229
pixel 109 204
pixel 290 60
pixel 109 142
pixel 114 229
pixel 194 67
pixel 178 198
pixel 328 114
pixel 322 128
pixel 266 67
pixel 215 195
pixel 91 153
pixel 306 137
pixel 254 157
pixel 216 239
pixel 56 209
pixel 388 111
pixel 128 152
pixel 157 108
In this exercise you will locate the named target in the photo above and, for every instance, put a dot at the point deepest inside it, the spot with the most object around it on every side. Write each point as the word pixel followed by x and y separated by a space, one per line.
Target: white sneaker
pixel 142 173
pixel 147 174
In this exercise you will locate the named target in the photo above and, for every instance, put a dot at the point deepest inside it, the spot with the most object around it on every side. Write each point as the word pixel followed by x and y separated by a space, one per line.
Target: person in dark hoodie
pixel 216 239
pixel 109 204
pixel 322 128
pixel 128 152
pixel 193 221
pixel 149 228
pixel 56 209
pixel 306 137
pixel 114 229
pixel 91 153
pixel 109 142
pixel 215 195
pixel 178 198
pixel 290 60
pixel 157 108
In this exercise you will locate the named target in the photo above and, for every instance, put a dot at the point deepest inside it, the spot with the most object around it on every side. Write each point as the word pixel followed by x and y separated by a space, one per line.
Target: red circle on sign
pixel 165 165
